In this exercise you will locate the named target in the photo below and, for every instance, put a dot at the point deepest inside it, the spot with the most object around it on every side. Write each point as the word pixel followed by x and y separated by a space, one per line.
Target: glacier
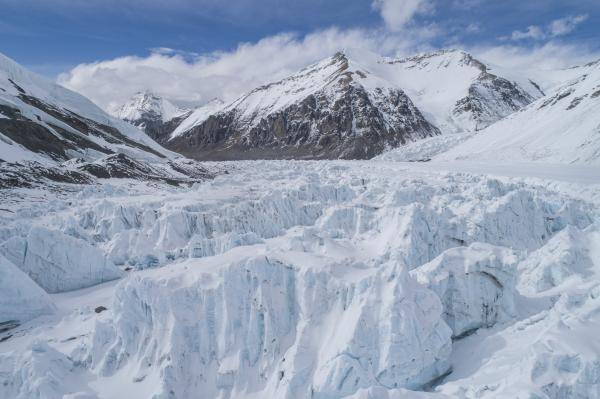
pixel 290 279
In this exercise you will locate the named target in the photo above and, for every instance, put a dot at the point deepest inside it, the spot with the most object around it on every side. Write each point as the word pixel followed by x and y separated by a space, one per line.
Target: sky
pixel 194 50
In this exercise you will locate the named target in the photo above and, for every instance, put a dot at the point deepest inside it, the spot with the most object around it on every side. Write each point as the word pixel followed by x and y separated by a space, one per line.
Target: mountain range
pixel 423 106
pixel 338 108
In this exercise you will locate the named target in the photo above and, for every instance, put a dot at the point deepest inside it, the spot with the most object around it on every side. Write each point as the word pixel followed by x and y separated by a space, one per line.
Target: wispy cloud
pixel 558 27
pixel 532 32
pixel 566 25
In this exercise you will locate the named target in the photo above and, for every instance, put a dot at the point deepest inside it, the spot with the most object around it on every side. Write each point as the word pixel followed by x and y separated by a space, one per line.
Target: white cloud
pixel 558 27
pixel 532 32
pixel 549 56
pixel 198 79
pixel 473 27
pixel 398 13
pixel 566 25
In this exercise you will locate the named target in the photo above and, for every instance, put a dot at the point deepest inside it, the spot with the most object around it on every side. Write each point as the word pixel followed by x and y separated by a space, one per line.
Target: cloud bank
pixel 196 79
pixel 558 27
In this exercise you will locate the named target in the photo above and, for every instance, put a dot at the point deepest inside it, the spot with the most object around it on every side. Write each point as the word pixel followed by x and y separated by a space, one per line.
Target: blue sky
pixel 51 36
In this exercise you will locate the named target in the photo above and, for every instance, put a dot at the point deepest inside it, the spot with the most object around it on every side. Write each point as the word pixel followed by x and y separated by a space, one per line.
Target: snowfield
pixel 288 279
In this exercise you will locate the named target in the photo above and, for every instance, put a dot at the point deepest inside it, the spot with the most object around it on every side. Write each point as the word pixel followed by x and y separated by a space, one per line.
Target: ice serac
pixel 287 280
pixel 476 285
pixel 458 92
pixel 40 371
pixel 332 109
pixel 566 256
pixel 21 299
pixel 262 326
pixel 155 115
pixel 562 127
pixel 57 262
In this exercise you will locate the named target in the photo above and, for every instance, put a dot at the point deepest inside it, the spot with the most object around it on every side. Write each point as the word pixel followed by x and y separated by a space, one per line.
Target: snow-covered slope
pixel 26 98
pixel 426 149
pixel 198 116
pixel 332 109
pixel 61 131
pixel 562 127
pixel 455 91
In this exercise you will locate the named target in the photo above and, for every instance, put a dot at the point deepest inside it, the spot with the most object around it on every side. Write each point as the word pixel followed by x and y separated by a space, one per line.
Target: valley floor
pixel 341 279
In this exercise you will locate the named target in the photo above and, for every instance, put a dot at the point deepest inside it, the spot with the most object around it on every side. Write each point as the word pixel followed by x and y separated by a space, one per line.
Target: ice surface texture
pixel 311 279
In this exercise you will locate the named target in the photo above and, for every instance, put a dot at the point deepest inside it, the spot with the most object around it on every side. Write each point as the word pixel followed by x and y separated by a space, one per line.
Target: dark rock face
pixel 342 120
pixel 123 167
pixel 55 141
pixel 31 174
pixel 154 127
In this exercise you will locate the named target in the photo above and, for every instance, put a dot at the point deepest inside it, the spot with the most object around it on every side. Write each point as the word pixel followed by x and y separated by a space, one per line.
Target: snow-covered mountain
pixel 49 132
pixel 562 127
pixel 155 115
pixel 333 109
pixel 338 108
pixel 457 92
pixel 146 105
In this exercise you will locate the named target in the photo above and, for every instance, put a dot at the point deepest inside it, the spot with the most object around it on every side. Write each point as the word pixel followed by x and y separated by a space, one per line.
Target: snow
pixel 287 279
pixel 562 127
pixel 260 334
pixel 14 152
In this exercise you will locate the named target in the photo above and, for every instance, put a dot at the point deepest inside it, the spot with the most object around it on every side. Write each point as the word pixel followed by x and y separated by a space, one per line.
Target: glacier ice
pixel 21 299
pixel 42 372
pixel 58 262
pixel 252 327
pixel 314 279
pixel 476 285
pixel 567 254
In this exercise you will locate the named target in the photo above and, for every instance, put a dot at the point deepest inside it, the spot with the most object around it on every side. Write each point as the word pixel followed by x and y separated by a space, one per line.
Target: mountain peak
pixel 339 56
pixel 148 105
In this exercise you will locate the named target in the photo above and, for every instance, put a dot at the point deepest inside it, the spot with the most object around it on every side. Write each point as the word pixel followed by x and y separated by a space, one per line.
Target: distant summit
pixel 155 115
